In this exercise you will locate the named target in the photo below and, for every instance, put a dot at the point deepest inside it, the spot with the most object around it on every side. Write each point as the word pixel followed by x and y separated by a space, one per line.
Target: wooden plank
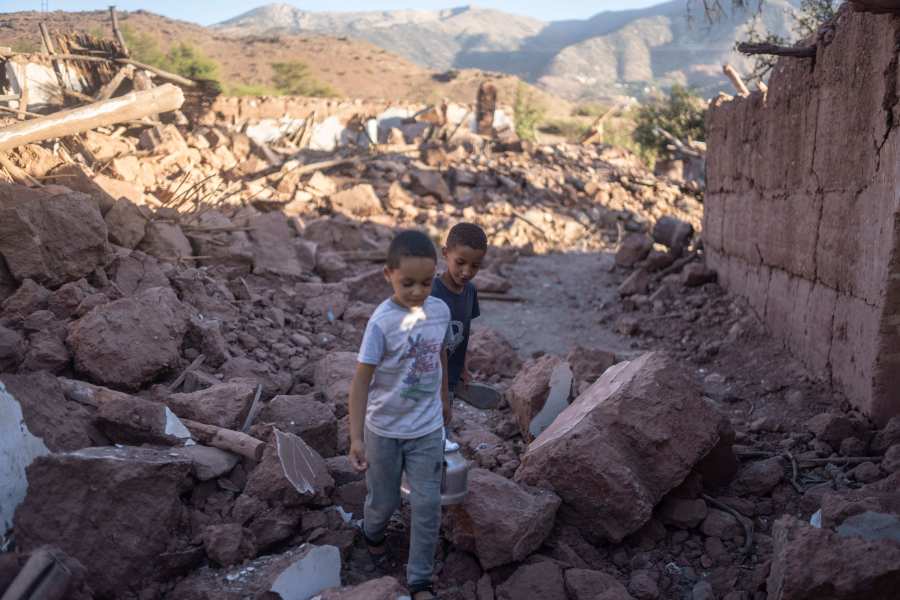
pixel 226 439
pixel 120 39
pixel 129 107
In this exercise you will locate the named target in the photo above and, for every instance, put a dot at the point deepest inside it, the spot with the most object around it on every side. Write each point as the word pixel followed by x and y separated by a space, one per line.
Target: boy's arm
pixel 359 395
pixel 445 389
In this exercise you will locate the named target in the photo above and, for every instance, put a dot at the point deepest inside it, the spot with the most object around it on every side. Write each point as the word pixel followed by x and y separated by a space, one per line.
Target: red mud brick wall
pixel 802 213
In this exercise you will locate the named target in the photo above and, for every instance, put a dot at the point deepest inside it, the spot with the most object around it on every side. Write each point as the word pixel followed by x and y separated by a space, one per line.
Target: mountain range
pixel 612 54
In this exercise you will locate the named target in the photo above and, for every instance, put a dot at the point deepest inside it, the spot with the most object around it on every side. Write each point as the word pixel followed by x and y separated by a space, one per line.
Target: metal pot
pixel 455 477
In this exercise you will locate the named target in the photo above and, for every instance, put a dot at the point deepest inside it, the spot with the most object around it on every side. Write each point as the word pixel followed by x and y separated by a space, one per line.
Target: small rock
pixel 636 283
pixel 635 248
pixel 697 274
pixel 866 472
pixel 703 590
pixel 682 513
pixel 891 462
pixel 721 524
pixel 628 325
pixel 853 447
pixel 542 580
pixel 888 436
pixel 228 544
pixel 759 478
pixel 833 428
pixel 643 586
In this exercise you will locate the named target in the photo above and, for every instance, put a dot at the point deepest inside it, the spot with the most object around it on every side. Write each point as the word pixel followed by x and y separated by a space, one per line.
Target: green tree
pixel 293 78
pixel 528 113
pixel 681 113
pixel 142 47
pixel 189 61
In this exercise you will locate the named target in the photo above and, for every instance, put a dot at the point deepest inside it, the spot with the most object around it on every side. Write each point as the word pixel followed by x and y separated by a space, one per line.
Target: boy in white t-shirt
pixel 399 405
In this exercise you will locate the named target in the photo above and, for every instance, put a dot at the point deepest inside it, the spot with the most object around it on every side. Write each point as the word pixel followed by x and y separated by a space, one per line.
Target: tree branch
pixel 766 48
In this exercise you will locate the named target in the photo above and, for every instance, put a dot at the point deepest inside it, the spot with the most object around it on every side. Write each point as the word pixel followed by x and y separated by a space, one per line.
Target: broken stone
pixel 28 298
pixel 240 367
pixel 126 224
pixel 136 272
pixel 636 283
pixel 500 521
pixel 491 354
pixel 588 364
pixel 128 342
pixel 333 377
pixel 165 241
pixel 721 524
pixel 322 184
pixel 627 441
pixel 306 417
pixel 682 513
pixel 872 526
pixel 542 580
pixel 225 405
pixel 891 462
pixel 228 544
pixel 528 393
pixel 584 584
pixel 492 283
pixel 12 349
pixel 273 250
pixel 136 490
pixel 643 585
pixel 50 238
pixel 430 183
pixel 132 420
pixel 358 201
pixel 866 472
pixel 634 248
pixel 61 423
pixel 810 564
pixel 290 474
pixel 759 478
pixel 208 463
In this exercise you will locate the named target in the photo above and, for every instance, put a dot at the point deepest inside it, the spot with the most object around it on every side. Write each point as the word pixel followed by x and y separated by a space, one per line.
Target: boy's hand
pixel 357 456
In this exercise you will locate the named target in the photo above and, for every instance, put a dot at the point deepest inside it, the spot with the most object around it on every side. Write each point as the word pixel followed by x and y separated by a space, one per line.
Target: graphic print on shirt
pixel 424 375
pixel 457 336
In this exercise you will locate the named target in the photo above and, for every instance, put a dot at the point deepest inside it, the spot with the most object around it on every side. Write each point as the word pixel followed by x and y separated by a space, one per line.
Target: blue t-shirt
pixel 463 308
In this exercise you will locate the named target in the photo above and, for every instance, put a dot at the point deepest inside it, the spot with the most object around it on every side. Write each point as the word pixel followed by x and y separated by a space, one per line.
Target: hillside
pixel 351 67
pixel 612 53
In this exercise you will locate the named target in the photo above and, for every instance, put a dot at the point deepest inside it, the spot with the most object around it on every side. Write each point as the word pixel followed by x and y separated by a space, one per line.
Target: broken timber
pixel 129 107
pixel 766 48
pixel 226 439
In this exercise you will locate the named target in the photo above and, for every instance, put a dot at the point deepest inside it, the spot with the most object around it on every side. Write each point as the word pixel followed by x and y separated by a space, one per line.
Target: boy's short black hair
pixel 410 243
pixel 467 234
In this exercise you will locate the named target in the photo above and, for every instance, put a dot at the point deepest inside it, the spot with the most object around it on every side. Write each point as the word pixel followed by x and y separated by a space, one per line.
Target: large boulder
pixel 116 510
pixel 126 223
pixel 628 440
pixel 500 521
pixel 224 405
pixel 135 272
pixel 542 580
pixel 814 564
pixel 165 241
pixel 129 342
pixel 49 237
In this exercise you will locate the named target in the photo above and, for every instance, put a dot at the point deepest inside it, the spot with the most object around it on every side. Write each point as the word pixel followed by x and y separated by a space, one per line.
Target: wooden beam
pixel 184 81
pixel 129 107
pixel 117 33
pixel 113 84
pixel 226 439
pixel 766 48
pixel 736 80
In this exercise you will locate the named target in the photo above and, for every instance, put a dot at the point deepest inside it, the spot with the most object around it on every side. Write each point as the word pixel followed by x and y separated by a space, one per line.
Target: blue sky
pixel 206 12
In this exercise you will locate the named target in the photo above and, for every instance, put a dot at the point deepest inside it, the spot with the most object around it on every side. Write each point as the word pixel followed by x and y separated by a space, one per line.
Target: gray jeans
pixel 423 460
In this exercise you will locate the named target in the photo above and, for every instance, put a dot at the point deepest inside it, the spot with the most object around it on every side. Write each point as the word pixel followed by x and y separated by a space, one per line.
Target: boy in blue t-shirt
pixel 464 252
pixel 399 405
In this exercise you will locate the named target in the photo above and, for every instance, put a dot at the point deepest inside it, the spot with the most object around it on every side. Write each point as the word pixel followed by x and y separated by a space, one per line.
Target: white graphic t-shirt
pixel 405 345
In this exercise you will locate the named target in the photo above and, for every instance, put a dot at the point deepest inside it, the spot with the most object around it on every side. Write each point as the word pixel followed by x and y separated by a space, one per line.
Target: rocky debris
pixel 298 574
pixel 12 349
pixel 224 405
pixel 833 428
pixel 584 584
pixel 588 364
pixel 305 417
pixel 543 579
pixel 636 283
pixel 697 274
pixel 643 585
pixel 490 353
pixel 430 183
pixel 683 513
pixel 528 393
pixel 129 342
pixel 759 478
pixel 500 521
pixel 50 237
pixel 137 494
pixel 805 559
pixel 673 233
pixel 333 376
pixel 887 437
pixel 634 248
pixel 273 248
pixel 384 588
pixel 623 445
pixel 290 474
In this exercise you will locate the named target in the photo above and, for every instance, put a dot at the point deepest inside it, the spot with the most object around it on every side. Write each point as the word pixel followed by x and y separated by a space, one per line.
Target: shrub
pixel 294 78
pixel 682 113
pixel 528 113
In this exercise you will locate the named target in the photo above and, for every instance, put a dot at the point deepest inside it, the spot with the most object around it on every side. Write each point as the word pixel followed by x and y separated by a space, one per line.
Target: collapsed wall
pixel 802 213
